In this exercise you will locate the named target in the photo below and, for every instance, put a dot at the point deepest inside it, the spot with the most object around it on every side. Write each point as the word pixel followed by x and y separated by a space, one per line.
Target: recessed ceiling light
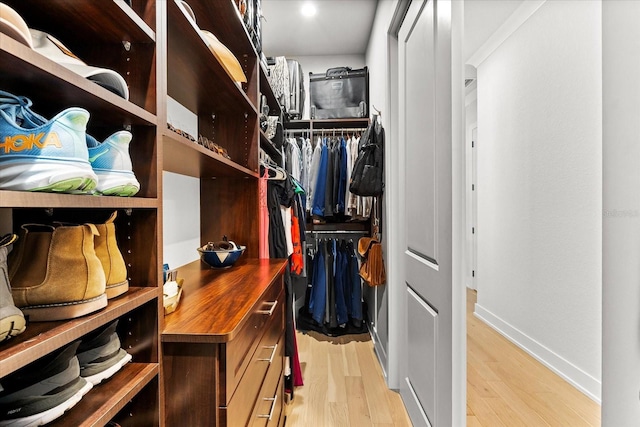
pixel 308 10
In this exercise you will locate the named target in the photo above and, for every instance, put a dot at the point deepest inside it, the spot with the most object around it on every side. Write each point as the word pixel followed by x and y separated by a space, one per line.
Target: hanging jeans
pixel 341 291
pixel 356 287
pixel 318 287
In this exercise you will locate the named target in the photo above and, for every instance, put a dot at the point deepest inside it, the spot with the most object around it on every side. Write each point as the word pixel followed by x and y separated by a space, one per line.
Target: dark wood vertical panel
pixel 142 410
pixel 190 384
pixel 228 206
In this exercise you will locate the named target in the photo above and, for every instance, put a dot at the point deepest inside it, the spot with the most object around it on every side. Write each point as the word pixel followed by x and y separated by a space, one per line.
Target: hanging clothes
pixel 314 169
pixel 329 191
pixel 293 163
pixel 333 303
pixel 352 205
pixel 263 250
pixel 347 194
pixel 319 194
pixel 307 156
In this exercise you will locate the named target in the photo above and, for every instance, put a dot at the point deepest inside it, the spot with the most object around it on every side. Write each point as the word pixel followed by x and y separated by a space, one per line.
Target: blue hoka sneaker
pixel 37 154
pixel 111 162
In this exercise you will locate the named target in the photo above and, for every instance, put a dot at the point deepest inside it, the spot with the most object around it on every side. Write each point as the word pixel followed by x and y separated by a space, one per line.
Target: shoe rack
pixel 160 53
pixel 113 35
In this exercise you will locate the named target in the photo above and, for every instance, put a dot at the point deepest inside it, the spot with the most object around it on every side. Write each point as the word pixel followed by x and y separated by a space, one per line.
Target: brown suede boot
pixel 110 256
pixel 55 273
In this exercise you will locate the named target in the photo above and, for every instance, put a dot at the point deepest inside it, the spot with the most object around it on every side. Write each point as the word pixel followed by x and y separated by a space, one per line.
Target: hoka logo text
pixel 17 143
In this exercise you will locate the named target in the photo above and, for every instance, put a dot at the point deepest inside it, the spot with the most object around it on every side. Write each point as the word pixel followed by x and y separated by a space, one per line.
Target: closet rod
pixel 325 130
pixel 336 232
pixel 346 130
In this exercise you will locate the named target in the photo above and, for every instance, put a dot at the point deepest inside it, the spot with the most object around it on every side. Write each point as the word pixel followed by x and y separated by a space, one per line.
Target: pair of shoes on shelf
pixel 57 155
pixel 43 390
pixel 12 320
pixel 68 271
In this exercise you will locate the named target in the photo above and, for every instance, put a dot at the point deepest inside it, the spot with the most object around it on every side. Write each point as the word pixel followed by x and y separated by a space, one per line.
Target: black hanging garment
pixel 367 178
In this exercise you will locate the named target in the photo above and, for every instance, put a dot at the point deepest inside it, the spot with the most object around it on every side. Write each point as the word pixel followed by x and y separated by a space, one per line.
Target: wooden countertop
pixel 216 303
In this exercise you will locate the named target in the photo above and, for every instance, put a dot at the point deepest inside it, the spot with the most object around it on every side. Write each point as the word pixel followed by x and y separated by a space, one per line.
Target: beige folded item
pixel 12 24
pixel 225 57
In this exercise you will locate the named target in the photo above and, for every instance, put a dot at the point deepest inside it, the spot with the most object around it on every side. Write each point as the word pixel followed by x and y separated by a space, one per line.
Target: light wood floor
pixel 506 387
pixel 343 385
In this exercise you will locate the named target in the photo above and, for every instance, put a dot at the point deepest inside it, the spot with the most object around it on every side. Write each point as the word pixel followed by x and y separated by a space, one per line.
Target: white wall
pixel 621 209
pixel 540 189
pixel 181 200
pixel 181 219
pixel 320 64
pixel 377 59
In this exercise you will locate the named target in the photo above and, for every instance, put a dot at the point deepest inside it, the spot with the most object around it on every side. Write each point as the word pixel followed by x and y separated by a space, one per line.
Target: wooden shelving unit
pixel 112 35
pixel 160 53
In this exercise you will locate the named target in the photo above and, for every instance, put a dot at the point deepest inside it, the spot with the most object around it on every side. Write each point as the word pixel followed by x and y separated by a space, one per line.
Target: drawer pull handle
pixel 273 353
pixel 270 311
pixel 273 407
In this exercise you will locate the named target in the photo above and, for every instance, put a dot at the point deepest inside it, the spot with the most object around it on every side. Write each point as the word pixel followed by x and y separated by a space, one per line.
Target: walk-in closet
pixel 319 213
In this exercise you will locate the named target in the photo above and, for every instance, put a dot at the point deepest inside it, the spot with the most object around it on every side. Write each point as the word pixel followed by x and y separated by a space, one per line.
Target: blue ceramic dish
pixel 221 258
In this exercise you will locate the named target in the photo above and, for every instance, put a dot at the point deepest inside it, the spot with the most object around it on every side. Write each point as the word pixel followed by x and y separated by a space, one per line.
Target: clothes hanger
pixel 274 172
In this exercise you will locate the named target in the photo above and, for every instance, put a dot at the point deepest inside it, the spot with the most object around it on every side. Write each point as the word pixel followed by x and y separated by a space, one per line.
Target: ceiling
pixel 342 27
pixel 482 18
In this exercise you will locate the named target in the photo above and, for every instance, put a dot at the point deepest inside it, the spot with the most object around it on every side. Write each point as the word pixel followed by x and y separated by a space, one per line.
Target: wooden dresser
pixel 223 348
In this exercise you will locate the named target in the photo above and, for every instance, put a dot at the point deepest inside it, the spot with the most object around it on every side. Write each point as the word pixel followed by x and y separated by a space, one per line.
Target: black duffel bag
pixel 339 93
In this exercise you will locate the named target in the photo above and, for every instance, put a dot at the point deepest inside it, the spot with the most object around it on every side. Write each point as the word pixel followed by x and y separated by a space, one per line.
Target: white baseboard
pixel 380 352
pixel 584 382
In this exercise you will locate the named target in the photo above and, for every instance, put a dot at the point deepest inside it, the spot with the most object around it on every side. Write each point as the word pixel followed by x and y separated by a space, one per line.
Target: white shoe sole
pixel 50 415
pixel 108 373
pixel 117 183
pixel 47 175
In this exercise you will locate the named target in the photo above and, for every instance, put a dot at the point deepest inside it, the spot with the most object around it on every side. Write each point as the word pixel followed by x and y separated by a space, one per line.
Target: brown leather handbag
pixel 372 268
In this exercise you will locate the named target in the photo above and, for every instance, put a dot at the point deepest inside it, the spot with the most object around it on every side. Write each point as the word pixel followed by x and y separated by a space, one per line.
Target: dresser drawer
pixel 268 358
pixel 237 353
pixel 270 404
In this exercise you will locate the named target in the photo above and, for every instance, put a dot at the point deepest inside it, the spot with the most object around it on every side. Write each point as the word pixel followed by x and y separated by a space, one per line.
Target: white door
pixel 425 111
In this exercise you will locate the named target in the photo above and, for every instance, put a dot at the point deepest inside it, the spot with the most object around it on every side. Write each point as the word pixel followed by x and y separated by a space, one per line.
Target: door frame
pixel 471 214
pixel 396 236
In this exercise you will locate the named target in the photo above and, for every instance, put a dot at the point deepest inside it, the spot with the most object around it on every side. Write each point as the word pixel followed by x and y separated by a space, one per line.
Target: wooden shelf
pixel 269 148
pixel 222 18
pixel 336 226
pixel 41 338
pixel 200 317
pixel 104 401
pixel 53 88
pixel 195 77
pixel 107 21
pixel 327 124
pixel 297 124
pixel 186 157
pixel 25 199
